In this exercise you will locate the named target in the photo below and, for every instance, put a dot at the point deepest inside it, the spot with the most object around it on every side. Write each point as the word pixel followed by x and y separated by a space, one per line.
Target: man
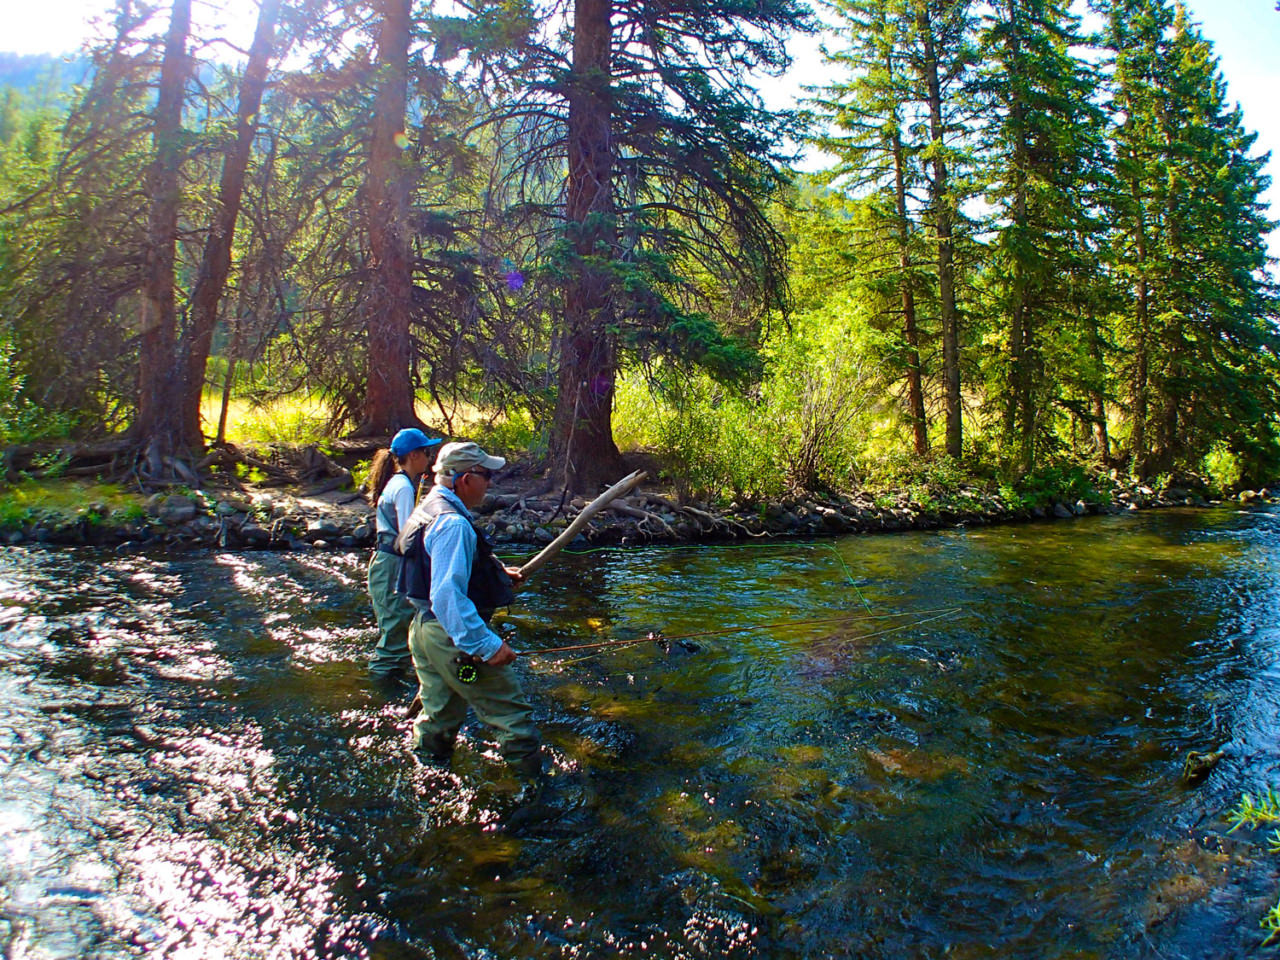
pixel 451 576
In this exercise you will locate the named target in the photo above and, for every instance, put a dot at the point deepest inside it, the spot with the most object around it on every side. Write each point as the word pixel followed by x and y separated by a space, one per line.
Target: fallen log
pixel 623 486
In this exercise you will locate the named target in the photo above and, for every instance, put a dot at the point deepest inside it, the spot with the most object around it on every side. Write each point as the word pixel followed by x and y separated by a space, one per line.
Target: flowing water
pixel 194 765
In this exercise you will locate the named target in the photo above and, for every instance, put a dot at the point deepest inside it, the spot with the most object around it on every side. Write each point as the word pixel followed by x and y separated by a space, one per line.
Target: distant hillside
pixel 41 78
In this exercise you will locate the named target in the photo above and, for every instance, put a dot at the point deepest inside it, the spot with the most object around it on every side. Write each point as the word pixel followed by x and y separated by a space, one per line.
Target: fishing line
pixel 656 636
pixel 940 613
pixel 848 574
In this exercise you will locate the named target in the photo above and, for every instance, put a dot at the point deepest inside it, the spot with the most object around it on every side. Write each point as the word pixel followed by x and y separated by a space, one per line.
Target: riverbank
pixel 282 519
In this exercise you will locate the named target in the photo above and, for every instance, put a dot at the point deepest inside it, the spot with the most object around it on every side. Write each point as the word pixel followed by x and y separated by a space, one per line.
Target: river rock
pixel 1062 511
pixel 1248 496
pixel 175 508
pixel 202 526
pixel 255 535
pixel 323 529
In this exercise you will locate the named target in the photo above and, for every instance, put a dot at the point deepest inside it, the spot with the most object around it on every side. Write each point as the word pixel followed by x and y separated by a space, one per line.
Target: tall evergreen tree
pixel 670 158
pixel 158 426
pixel 1045 158
pixel 873 143
pixel 1200 326
pixel 944 62
pixel 215 262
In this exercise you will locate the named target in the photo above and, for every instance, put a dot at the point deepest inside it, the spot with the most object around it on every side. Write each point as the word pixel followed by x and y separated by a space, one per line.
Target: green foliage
pixel 28 500
pixel 1223 467
pixel 22 420
pixel 295 419
pixel 1057 482
pixel 250 473
pixel 714 443
pixel 512 432
pixel 360 473
pixel 1255 810
pixel 807 427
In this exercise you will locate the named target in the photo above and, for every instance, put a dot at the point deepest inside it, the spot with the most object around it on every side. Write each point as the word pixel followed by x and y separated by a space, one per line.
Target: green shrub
pixel 21 420
pixel 1223 468
pixel 512 432
pixel 1057 482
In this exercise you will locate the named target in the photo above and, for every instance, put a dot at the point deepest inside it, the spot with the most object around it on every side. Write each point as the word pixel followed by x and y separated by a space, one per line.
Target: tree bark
pixel 582 428
pixel 940 201
pixel 389 400
pixel 1141 375
pixel 1097 400
pixel 158 426
pixel 215 264
pixel 915 388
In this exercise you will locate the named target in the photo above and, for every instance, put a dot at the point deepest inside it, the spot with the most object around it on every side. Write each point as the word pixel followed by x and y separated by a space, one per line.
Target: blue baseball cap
pixel 410 439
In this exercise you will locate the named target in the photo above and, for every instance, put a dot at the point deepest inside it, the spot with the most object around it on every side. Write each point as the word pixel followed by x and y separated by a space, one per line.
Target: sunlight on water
pixel 963 743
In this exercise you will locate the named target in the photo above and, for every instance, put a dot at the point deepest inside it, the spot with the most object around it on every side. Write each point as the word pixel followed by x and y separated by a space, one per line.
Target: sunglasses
pixel 482 472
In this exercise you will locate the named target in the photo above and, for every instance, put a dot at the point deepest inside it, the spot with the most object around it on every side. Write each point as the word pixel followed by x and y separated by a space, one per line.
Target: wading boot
pixel 434 751
pixel 533 779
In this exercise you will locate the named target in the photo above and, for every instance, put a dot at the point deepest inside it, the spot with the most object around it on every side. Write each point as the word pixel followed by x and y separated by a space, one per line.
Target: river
pixel 985 764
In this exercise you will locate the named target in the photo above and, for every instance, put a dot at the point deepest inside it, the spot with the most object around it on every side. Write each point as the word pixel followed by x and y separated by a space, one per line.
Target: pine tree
pixel 1200 324
pixel 872 139
pixel 671 159
pixel 215 262
pixel 1046 158
pixel 943 63
pixel 158 427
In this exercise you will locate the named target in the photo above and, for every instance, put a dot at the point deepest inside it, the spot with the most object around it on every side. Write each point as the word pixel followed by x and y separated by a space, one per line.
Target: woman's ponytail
pixel 381 470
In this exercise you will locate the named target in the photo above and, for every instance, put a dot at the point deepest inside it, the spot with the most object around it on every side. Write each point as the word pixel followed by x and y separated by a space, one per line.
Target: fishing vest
pixel 489 586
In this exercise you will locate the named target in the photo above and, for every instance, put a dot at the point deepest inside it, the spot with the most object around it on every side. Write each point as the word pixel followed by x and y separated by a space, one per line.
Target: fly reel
pixel 467 668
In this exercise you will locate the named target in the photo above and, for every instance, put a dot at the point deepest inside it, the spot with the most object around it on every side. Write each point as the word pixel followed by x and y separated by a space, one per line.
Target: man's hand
pixel 504 656
pixel 516 576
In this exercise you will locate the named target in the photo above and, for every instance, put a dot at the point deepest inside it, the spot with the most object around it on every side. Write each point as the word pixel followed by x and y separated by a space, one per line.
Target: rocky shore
pixel 276 520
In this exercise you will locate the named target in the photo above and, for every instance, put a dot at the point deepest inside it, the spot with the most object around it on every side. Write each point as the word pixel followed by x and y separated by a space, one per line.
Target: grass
pixel 306 418
pixel 24 501
pixel 300 419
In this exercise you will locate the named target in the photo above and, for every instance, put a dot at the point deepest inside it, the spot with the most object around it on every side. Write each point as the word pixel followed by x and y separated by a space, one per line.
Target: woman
pixel 392 485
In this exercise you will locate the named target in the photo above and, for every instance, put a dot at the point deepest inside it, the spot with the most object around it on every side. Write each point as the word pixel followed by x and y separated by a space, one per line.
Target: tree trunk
pixel 1141 374
pixel 915 389
pixel 940 202
pixel 215 264
pixel 158 427
pixel 389 401
pixel 1097 401
pixel 582 429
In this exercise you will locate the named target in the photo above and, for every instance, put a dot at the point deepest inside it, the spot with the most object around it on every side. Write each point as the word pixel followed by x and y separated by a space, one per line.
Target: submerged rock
pixel 1197 766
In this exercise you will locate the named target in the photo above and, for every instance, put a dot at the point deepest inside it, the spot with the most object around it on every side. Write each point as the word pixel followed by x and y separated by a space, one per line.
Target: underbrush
pixel 303 418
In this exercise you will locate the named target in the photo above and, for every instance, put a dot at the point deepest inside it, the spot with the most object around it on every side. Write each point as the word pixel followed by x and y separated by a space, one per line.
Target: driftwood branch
pixel 622 487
